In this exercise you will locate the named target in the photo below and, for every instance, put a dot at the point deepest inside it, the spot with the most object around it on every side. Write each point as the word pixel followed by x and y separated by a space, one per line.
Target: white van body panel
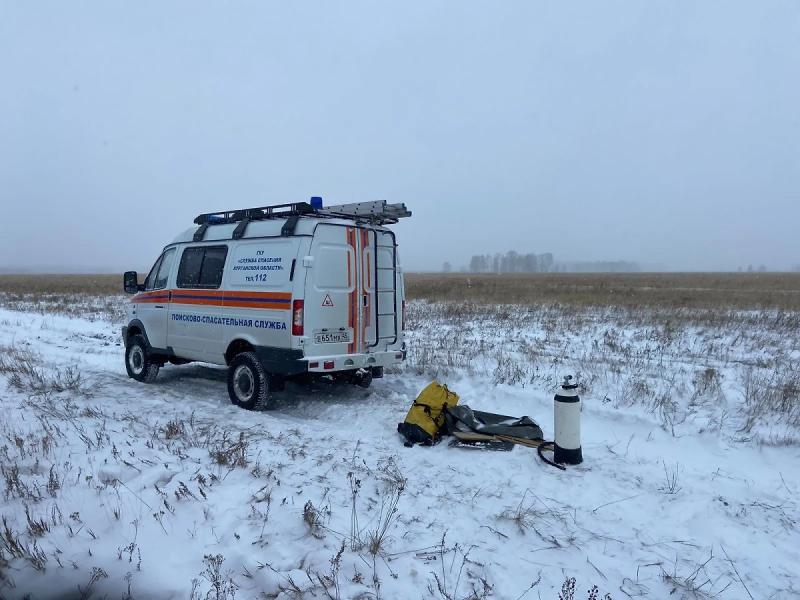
pixel 345 273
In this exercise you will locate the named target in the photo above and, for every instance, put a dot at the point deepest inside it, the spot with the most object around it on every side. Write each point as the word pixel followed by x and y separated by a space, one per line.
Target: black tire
pixel 360 377
pixel 363 378
pixel 138 361
pixel 248 383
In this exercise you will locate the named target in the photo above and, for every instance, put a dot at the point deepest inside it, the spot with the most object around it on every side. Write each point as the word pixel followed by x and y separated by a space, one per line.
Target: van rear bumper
pixel 345 362
pixel 281 361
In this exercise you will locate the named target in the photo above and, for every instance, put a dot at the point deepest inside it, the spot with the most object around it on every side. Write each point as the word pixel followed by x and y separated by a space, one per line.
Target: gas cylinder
pixel 567 424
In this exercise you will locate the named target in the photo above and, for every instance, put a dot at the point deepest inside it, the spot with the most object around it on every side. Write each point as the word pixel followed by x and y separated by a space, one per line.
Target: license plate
pixel 332 337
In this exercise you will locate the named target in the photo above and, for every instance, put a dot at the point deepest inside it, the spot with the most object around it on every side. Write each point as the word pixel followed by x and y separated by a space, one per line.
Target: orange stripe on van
pixel 352 300
pixel 227 298
pixel 262 305
pixel 147 297
pixel 356 297
pixel 364 273
pixel 349 283
pixel 369 272
pixel 273 295
pixel 351 321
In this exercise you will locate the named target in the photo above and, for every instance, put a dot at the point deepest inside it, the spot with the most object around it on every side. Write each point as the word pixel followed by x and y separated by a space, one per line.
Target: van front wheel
pixel 138 361
pixel 248 383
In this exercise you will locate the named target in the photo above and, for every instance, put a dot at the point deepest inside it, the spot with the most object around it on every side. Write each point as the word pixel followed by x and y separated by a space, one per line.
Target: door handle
pixel 159 306
pixel 365 299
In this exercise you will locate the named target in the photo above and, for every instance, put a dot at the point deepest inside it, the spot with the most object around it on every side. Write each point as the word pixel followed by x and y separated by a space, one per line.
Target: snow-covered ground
pixel 689 487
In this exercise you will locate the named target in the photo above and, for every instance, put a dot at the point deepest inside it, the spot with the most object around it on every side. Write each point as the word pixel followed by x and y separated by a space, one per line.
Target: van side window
pixel 164 270
pixel 213 266
pixel 151 277
pixel 189 269
pixel 202 267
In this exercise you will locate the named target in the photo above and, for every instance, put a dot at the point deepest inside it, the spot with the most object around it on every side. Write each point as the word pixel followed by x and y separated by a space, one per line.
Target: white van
pixel 273 292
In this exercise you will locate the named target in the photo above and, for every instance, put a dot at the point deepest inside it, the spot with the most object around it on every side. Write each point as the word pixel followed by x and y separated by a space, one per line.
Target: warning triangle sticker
pixel 327 301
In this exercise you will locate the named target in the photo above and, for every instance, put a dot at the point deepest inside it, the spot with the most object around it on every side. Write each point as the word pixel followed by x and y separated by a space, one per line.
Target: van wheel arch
pixel 136 327
pixel 236 347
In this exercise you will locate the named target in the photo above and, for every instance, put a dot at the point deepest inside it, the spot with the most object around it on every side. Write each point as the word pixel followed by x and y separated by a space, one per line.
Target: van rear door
pixel 331 314
pixel 351 291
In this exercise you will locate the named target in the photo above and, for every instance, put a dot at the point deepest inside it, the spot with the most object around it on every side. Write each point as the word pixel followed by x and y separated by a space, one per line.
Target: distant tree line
pixel 515 262
pixel 750 269
pixel 511 262
pixel 599 266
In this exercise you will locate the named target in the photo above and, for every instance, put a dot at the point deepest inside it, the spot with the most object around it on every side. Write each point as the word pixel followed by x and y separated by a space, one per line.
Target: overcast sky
pixel 660 132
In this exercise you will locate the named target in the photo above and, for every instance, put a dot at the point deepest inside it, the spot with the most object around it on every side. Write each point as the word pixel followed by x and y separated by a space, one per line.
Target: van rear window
pixel 202 267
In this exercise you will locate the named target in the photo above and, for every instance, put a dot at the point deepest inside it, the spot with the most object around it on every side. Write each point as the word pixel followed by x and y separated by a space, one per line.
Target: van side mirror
pixel 130 281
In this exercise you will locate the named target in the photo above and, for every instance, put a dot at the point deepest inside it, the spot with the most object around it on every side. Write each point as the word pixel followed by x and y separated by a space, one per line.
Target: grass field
pixel 88 296
pixel 20 285
pixel 667 290
pixel 691 413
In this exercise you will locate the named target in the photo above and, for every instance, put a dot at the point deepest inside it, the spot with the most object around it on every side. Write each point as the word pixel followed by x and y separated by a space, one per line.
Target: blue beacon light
pixel 316 202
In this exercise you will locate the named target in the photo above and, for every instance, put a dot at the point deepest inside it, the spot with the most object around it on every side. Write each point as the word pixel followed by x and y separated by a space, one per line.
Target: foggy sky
pixel 662 132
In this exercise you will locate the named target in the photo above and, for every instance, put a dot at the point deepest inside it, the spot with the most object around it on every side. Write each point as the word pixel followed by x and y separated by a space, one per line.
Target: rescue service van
pixel 274 292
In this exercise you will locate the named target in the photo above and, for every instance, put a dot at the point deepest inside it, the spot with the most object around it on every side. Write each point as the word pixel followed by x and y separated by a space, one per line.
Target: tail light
pixel 404 316
pixel 297 317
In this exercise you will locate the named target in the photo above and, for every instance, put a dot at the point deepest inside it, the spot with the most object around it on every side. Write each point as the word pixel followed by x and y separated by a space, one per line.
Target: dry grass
pixel 664 290
pixel 92 285
pixel 87 296
pixel 653 290
pixel 734 367
pixel 27 373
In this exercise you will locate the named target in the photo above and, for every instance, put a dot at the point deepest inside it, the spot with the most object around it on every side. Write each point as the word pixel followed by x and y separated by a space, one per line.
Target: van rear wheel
pixel 360 377
pixel 363 378
pixel 248 383
pixel 138 362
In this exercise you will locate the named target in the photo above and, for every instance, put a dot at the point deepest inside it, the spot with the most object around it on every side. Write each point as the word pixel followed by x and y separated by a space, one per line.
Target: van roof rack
pixel 379 212
pixel 254 214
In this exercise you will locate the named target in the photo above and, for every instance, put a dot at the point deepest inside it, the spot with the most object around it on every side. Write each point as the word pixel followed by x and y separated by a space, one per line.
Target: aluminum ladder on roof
pixel 377 211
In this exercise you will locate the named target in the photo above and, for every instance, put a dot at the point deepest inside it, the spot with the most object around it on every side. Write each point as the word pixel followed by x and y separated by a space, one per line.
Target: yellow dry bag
pixel 426 417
